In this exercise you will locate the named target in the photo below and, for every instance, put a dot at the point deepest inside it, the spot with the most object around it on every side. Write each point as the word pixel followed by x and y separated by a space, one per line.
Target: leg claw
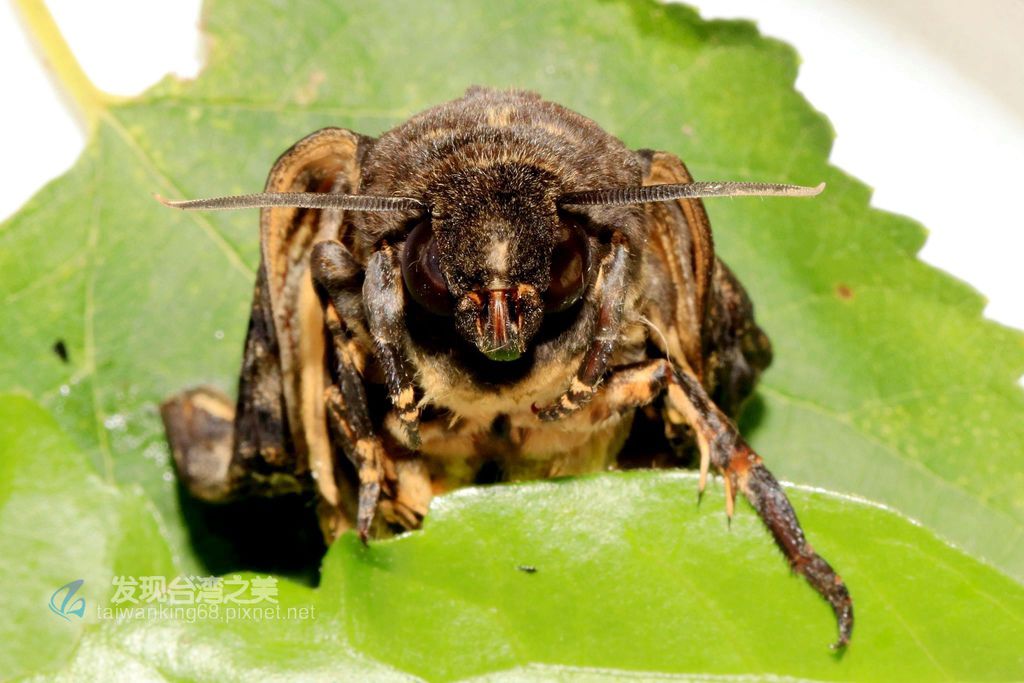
pixel 369 494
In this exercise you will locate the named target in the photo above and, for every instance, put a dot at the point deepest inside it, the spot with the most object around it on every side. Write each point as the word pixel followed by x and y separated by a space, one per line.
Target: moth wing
pixel 325 161
pixel 276 431
pixel 681 259
pixel 696 302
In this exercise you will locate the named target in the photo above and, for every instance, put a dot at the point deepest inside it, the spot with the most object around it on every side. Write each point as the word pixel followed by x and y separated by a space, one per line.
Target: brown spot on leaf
pixel 844 292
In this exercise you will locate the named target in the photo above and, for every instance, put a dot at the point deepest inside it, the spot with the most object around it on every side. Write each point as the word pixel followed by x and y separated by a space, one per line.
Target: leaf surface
pixel 886 382
pixel 612 574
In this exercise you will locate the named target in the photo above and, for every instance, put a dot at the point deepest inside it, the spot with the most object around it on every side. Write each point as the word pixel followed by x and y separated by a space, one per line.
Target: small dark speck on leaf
pixel 527 568
pixel 61 350
pixel 844 292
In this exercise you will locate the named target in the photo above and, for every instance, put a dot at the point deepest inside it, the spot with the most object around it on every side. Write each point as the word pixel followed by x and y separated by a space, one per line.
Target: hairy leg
pixel 721 445
pixel 611 286
pixel 399 489
pixel 384 298
pixel 742 469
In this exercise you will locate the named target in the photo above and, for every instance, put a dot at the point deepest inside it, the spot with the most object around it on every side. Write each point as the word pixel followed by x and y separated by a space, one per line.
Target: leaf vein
pixel 229 251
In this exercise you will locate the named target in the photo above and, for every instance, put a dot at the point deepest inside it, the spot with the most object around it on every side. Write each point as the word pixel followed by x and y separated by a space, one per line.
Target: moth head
pixel 502 248
pixel 496 254
pixel 497 250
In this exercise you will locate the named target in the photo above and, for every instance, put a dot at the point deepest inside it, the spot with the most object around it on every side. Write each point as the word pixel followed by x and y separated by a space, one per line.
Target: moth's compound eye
pixel 422 272
pixel 570 264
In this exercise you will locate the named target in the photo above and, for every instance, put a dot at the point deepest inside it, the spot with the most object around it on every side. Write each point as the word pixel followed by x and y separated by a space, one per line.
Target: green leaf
pixel 630 574
pixel 886 383
pixel 551 580
pixel 59 522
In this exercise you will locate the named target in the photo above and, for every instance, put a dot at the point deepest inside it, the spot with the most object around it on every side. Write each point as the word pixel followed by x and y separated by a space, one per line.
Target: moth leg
pixel 721 445
pixel 742 469
pixel 611 295
pixel 413 492
pixel 384 299
pixel 633 386
pixel 406 480
pixel 361 446
pixel 334 271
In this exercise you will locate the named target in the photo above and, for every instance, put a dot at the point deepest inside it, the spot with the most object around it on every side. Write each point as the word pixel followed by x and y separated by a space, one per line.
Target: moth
pixel 491 291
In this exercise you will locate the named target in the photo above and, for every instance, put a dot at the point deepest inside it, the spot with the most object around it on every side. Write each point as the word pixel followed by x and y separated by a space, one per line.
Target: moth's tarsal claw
pixel 730 497
pixel 842 605
pixel 705 465
pixel 369 495
pixel 372 471
pixel 775 510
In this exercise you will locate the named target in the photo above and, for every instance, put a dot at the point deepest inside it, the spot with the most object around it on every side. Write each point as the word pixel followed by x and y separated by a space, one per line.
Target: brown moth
pixel 489 291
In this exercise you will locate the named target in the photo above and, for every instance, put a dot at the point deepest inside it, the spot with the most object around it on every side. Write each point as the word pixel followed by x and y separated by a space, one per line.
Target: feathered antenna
pixel 664 193
pixel 610 196
pixel 300 200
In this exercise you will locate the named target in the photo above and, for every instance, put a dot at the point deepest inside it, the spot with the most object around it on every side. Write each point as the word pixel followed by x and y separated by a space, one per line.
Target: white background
pixel 927 98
